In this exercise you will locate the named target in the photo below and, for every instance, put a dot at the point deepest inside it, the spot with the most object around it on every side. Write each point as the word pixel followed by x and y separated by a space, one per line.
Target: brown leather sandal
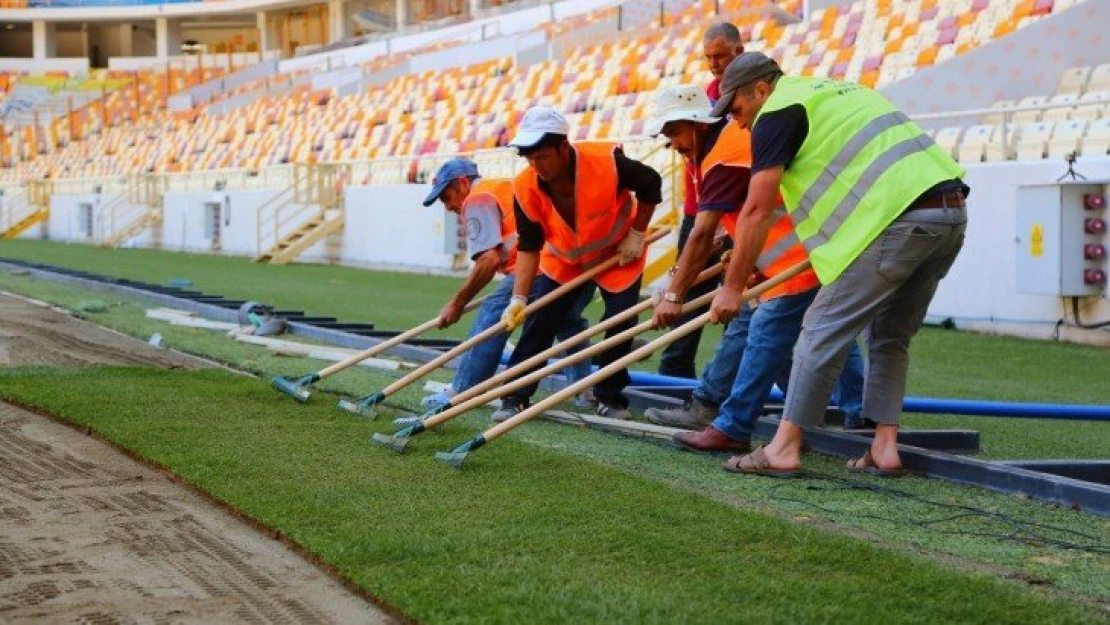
pixel 866 464
pixel 756 463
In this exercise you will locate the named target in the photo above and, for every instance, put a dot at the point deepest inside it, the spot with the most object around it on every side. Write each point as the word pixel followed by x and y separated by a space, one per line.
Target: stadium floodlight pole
pixel 297 388
pixel 365 406
pixel 456 456
pixel 492 388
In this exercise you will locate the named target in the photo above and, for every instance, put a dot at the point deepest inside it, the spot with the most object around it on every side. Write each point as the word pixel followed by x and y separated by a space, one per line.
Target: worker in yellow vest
pixel 577 205
pixel 485 207
pixel 881 211
pixel 755 350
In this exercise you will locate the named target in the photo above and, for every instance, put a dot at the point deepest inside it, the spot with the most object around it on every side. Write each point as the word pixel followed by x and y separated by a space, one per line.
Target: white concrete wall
pixel 64 223
pixel 388 227
pixel 75 67
pixel 981 289
pixel 183 218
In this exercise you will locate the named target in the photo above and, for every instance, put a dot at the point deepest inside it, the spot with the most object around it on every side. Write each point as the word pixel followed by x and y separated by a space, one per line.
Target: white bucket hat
pixel 681 103
pixel 537 122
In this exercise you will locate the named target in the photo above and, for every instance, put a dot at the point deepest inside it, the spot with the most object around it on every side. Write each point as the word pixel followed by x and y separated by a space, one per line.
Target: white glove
pixel 631 248
pixel 514 312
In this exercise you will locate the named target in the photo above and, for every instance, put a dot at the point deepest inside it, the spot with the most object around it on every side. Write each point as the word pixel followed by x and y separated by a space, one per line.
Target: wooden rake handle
pixel 412 333
pixel 491 389
pixel 498 328
pixel 639 354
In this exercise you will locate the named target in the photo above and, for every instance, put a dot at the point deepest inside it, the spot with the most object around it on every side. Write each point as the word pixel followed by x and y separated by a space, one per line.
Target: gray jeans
pixel 884 294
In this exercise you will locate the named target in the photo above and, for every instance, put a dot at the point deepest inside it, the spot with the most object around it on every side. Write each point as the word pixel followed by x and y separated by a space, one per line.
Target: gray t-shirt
pixel 483 225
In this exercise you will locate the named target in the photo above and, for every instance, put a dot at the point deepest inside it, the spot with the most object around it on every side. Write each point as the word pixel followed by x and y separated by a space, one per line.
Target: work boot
pixel 692 415
pixel 509 409
pixel 613 411
pixel 710 440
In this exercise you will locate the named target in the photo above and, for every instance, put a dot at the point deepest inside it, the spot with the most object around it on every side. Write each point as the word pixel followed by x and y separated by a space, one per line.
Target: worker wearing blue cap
pixel 485 208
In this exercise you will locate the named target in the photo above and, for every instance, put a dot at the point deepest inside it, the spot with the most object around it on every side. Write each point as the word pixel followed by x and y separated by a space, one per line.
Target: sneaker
pixel 438 399
pixel 610 411
pixel 585 399
pixel 692 415
pixel 506 411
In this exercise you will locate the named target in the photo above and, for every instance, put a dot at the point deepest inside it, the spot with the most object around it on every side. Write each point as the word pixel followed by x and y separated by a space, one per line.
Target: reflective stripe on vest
pixel 861 164
pixel 782 249
pixel 611 238
pixel 603 215
pixel 778 248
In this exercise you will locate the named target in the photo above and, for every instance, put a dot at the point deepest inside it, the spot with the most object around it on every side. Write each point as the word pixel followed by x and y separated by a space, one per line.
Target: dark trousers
pixel 540 328
pixel 679 358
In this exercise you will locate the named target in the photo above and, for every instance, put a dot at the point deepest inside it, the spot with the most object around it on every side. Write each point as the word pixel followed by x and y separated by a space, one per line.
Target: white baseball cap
pixel 539 121
pixel 679 103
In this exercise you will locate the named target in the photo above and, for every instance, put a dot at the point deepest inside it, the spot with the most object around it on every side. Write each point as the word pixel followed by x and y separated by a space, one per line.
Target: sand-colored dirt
pixel 88 535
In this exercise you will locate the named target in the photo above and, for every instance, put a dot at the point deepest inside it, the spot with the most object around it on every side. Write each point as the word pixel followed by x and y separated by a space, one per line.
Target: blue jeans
pixel 756 351
pixel 481 361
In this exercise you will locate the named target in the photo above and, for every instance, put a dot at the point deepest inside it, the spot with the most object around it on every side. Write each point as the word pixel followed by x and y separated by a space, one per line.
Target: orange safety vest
pixel 783 249
pixel 603 217
pixel 502 193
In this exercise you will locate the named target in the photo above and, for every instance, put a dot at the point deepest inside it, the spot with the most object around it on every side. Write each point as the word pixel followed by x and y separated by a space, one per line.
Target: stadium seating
pixel 604 88
pixel 1082 104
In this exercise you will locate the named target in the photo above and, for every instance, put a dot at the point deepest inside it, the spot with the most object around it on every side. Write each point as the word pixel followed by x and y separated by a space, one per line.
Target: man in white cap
pixel 486 209
pixel 755 350
pixel 720 45
pixel 580 204
pixel 880 209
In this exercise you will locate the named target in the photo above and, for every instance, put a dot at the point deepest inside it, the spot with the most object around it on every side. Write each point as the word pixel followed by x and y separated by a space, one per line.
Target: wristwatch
pixel 672 298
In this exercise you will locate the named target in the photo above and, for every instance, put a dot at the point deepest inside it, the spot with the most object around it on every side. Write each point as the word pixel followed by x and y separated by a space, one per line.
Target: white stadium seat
pixel 1066 138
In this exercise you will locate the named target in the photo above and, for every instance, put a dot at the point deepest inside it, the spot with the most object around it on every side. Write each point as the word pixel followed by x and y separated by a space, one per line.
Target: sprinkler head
pixel 390 442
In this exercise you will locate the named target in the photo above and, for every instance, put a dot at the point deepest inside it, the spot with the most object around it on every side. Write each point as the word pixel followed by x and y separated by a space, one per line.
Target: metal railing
pixel 14 208
pixel 315 189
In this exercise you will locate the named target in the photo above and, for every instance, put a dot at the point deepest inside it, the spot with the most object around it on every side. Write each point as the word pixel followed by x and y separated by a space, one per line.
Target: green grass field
pixel 555 523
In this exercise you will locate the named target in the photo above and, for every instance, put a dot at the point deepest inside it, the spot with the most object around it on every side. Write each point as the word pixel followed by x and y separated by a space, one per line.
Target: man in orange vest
pixel 755 350
pixel 721 44
pixel 485 207
pixel 581 204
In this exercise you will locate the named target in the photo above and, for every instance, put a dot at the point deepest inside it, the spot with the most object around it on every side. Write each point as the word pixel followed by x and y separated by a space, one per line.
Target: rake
pixel 367 406
pixel 297 388
pixel 491 389
pixel 456 456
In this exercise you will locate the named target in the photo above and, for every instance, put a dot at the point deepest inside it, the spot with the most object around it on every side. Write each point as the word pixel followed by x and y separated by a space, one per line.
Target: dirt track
pixel 88 535
pixel 37 335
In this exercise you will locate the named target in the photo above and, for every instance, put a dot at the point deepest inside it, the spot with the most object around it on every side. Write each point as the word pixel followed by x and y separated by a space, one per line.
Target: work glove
pixel 514 313
pixel 631 248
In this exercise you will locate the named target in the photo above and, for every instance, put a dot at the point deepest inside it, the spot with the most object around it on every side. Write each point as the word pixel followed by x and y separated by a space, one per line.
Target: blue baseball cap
pixel 452 169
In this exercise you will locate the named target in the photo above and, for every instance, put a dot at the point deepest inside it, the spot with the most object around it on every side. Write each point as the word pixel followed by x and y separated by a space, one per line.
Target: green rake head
pixel 297 389
pixel 364 407
pixel 398 439
pixel 394 442
pixel 456 456
pixel 410 418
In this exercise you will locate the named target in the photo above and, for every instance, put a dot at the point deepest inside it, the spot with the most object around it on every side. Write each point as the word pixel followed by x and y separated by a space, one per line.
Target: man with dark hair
pixel 485 207
pixel 580 204
pixel 720 45
pixel 879 208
